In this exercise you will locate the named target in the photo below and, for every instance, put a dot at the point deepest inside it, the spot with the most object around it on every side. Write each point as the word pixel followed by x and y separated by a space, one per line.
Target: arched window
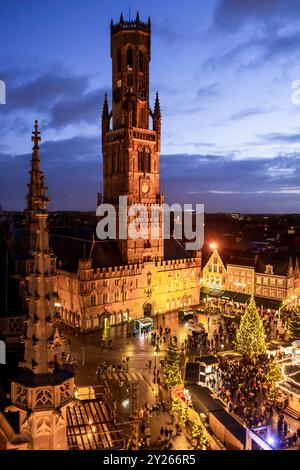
pixel 119 61
pixel 93 300
pixel 144 160
pixel 129 58
pixel 140 159
pixel 141 61
pixel 147 161
pixel 105 297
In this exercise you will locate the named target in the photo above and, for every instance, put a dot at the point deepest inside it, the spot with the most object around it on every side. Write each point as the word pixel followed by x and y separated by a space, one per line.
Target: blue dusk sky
pixel 223 69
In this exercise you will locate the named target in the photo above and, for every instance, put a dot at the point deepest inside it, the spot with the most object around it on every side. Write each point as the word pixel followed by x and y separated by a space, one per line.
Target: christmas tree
pixel 172 372
pixel 199 438
pixel 180 409
pixel 176 405
pixel 250 338
pixel 273 375
pixel 183 417
pixel 293 327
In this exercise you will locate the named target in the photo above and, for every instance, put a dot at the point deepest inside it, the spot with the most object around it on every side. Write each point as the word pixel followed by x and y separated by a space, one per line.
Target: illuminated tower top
pixel 130 53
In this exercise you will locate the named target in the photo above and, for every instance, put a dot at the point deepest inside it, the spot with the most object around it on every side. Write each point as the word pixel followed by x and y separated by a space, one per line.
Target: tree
pixel 172 372
pixel 293 326
pixel 199 438
pixel 250 338
pixel 180 409
pixel 176 405
pixel 273 375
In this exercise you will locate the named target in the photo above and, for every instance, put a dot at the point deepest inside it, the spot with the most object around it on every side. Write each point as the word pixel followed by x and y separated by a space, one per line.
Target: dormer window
pixel 269 269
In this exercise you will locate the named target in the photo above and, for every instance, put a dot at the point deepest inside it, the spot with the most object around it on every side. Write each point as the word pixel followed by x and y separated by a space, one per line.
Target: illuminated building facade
pixel 105 282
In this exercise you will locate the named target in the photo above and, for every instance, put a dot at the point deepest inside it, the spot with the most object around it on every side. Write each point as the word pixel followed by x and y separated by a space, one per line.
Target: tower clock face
pixel 117 95
pixel 145 187
pixel 143 94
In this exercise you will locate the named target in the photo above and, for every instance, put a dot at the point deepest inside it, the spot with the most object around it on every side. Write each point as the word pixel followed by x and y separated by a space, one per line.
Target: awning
pixel 242 298
pixel 145 321
pixel 205 291
pixel 268 303
pixel 228 295
pixel 215 293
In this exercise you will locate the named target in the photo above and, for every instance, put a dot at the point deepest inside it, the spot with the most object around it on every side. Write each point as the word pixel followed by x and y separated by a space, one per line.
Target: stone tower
pixel 130 148
pixel 41 388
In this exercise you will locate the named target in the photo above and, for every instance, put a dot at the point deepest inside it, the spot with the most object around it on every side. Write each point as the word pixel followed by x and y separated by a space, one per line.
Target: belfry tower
pixel 130 148
pixel 41 388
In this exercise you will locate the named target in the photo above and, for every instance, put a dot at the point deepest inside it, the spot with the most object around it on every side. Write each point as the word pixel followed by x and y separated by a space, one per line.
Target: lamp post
pixel 157 351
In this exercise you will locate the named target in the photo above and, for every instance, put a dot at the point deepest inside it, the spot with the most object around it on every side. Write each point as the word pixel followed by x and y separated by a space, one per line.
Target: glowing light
pixel 125 403
pixel 57 304
pixel 213 246
pixel 270 440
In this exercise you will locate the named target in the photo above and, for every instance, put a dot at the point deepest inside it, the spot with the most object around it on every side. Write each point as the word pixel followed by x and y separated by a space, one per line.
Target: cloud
pixel 58 96
pixel 247 112
pixel 225 184
pixel 208 91
pixel 233 14
pixel 72 169
pixel 280 137
pixel 73 174
pixel 39 89
pixel 86 108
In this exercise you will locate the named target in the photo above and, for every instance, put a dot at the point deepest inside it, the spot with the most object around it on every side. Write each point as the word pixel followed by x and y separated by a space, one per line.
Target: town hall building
pixel 109 282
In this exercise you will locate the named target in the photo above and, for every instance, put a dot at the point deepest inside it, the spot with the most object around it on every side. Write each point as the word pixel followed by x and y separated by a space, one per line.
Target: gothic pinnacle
pixel 36 135
pixel 157 106
pixel 105 112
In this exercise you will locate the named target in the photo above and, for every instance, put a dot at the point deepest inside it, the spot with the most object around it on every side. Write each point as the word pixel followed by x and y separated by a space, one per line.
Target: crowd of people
pixel 167 432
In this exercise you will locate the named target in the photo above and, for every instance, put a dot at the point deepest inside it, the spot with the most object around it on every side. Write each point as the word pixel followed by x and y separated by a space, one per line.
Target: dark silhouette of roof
pixel 71 245
pixel 10 300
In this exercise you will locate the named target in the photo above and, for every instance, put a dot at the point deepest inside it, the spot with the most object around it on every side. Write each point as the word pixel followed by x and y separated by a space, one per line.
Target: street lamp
pixel 157 351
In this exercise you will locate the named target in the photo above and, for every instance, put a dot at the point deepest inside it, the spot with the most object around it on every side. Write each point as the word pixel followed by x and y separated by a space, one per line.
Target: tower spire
pixel 47 388
pixel 105 111
pixel 157 115
pixel 157 112
pixel 41 331
pixel 36 199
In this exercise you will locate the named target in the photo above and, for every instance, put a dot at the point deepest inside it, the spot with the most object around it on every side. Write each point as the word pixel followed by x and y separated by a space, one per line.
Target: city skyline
pixel 225 86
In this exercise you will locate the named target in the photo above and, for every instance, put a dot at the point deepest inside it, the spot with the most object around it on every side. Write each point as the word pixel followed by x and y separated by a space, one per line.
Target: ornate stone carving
pixel 44 397
pixel 65 391
pixel 43 425
pixel 21 394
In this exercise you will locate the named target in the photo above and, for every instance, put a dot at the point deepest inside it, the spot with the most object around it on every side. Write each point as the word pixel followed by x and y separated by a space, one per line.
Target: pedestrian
pixel 170 433
pixel 162 431
pixel 170 445
pixel 285 428
pixel 298 438
pixel 166 433
pixel 142 428
pixel 178 429
pixel 148 436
